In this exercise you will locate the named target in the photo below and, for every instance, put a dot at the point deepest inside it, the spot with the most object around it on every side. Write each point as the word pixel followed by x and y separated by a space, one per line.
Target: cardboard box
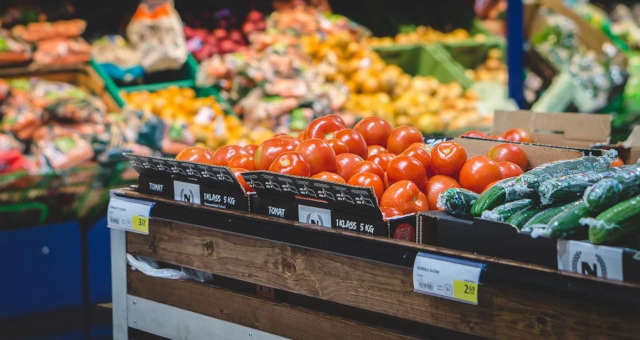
pixel 537 154
pixel 505 241
pixel 211 186
pixel 332 205
pixel 580 130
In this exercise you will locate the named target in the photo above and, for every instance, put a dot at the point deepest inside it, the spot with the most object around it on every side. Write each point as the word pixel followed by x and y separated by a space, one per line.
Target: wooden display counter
pixel 277 278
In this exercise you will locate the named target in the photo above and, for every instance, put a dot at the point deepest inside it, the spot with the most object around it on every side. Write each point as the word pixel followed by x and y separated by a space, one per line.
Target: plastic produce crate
pixel 472 52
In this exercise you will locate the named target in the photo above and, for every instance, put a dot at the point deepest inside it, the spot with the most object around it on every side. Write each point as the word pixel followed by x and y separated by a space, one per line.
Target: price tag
pixel 313 215
pixel 588 259
pixel 446 277
pixel 129 214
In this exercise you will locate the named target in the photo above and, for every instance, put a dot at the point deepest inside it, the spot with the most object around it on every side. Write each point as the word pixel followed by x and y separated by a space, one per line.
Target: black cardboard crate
pixel 331 205
pixel 504 241
pixel 211 186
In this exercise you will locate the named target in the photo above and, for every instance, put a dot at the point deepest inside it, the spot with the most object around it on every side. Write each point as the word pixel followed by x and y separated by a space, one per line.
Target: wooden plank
pixel 504 311
pixel 273 317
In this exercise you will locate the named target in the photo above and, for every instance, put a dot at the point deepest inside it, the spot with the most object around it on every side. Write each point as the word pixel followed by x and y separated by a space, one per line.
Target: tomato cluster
pixel 406 174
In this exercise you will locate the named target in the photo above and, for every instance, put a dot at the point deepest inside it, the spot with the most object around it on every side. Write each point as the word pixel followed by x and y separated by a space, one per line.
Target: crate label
pixel 186 192
pixel 129 214
pixel 446 277
pixel 588 259
pixel 314 215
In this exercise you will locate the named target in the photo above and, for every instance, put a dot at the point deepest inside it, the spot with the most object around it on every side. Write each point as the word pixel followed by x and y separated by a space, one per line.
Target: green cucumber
pixel 610 191
pixel 521 217
pixel 571 187
pixel 567 223
pixel 612 223
pixel 524 186
pixel 502 212
pixel 543 217
pixel 457 201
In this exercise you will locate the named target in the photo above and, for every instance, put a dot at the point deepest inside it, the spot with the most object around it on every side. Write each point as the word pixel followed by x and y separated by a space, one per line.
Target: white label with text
pixel 275 211
pixel 588 259
pixel 129 214
pixel 313 215
pixel 445 277
pixel 186 192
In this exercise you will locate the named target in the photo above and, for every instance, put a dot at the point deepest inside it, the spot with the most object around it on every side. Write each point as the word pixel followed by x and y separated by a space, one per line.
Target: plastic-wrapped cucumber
pixel 457 201
pixel 521 217
pixel 525 185
pixel 567 223
pixel 571 187
pixel 610 191
pixel 502 212
pixel 614 222
pixel 533 178
pixel 543 217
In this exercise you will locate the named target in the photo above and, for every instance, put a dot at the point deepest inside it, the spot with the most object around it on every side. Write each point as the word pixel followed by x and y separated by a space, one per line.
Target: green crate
pixel 425 60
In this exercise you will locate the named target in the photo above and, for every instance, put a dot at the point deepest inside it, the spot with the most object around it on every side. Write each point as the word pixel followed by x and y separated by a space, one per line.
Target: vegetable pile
pixel 594 196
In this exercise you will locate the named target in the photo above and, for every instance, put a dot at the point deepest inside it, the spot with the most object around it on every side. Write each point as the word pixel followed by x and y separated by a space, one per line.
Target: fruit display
pixel 223 39
pixel 493 69
pixel 406 174
pixel 590 197
pixel 194 119
pixel 424 35
pixel 54 43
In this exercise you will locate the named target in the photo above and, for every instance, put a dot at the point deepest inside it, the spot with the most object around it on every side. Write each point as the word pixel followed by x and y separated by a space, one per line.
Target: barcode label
pixel 446 277
pixel 124 212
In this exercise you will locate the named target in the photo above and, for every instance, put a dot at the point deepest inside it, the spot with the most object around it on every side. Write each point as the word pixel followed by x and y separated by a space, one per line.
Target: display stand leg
pixel 119 284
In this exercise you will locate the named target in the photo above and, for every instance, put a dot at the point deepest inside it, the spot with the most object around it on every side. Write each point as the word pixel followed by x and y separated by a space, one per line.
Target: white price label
pixel 588 259
pixel 445 277
pixel 313 215
pixel 129 214
pixel 186 192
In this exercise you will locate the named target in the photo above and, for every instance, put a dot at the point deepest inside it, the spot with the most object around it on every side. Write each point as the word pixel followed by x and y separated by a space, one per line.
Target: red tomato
pixel 496 137
pixel 368 166
pixel 389 212
pixel 373 150
pixel 382 159
pixel 243 183
pixel 225 153
pixel 404 231
pixel 354 141
pixel 617 162
pixel 196 154
pixel 402 137
pixel 509 152
pixel 407 168
pixel 318 154
pixel 517 135
pixel 271 148
pixel 242 161
pixel 447 158
pixel 421 152
pixel 337 146
pixel 290 163
pixel 345 163
pixel 374 130
pixel 367 179
pixel 509 169
pixel 435 186
pixel 479 171
pixel 250 149
pixel 329 177
pixel 405 197
pixel 324 126
pixel 475 133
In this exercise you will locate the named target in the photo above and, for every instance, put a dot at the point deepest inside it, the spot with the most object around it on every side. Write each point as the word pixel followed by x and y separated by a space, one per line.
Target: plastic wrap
pixel 614 222
pixel 607 192
pixel 567 223
pixel 502 212
pixel 457 201
pixel 150 268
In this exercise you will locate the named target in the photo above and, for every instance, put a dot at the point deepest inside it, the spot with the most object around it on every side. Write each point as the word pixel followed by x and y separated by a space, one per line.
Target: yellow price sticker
pixel 140 223
pixel 465 291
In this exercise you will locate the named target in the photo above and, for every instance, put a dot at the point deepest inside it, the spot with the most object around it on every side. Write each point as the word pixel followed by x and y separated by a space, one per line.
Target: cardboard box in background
pixel 579 130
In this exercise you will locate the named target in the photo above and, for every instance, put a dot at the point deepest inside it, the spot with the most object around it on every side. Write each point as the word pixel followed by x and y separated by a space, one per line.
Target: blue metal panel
pixel 99 262
pixel 41 269
pixel 515 50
